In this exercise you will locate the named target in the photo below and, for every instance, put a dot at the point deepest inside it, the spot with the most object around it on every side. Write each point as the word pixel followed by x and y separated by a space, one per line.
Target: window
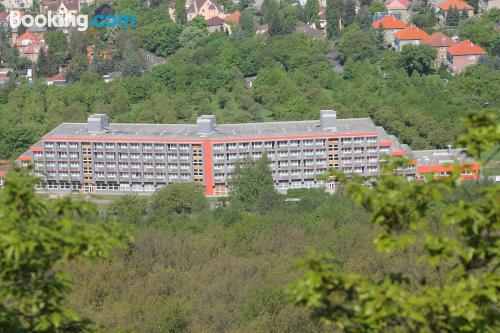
pixel 160 166
pixel 183 146
pixel 73 155
pixel 49 145
pixel 74 165
pixel 218 146
pixel 99 155
pixel 257 144
pixel 346 140
pixel 73 145
pixel 136 175
pixel 75 174
pixel 159 157
pixel 147 145
pixel 64 173
pixel 149 187
pixel 159 146
pixel 63 165
pixel 99 174
pixel 149 175
pixel 110 156
pixel 110 146
pixel 61 145
pixel 51 164
pixel 147 156
pixel 135 165
pixel 123 156
pixel 135 156
pixel 98 145
pixel 123 175
pixel 99 164
pixel 49 155
pixel 123 145
pixel 148 166
pixel 134 146
pixel 37 154
pixel 111 165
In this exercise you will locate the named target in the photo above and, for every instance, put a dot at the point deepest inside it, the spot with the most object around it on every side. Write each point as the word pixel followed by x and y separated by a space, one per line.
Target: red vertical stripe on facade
pixel 207 154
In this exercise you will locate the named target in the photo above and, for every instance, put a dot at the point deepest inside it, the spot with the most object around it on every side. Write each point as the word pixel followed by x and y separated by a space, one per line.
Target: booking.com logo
pixel 80 21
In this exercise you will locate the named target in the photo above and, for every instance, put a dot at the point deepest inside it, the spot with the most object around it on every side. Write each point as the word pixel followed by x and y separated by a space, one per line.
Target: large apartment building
pixel 98 157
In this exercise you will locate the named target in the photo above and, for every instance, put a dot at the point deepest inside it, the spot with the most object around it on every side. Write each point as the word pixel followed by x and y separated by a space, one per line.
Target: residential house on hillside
pixel 215 24
pixel 230 21
pixel 411 35
pixel 390 25
pixel 459 5
pixel 205 8
pixel 463 54
pixel 29 45
pixel 401 7
pixel 16 4
pixel 440 42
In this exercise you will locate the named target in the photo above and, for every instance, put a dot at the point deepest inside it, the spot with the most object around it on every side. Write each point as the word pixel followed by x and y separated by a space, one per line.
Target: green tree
pixel 162 39
pixel 58 45
pixel 247 23
pixel 349 12
pixel 311 12
pixel 380 41
pixel 356 43
pixel 190 36
pixel 455 288
pixel 180 11
pixel 179 198
pixel 418 58
pixel 333 16
pixel 37 238
pixel 252 186
pixel 199 22
pixel 453 17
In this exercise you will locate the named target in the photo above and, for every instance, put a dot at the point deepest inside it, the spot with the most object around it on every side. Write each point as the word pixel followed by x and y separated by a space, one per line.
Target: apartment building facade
pixel 98 157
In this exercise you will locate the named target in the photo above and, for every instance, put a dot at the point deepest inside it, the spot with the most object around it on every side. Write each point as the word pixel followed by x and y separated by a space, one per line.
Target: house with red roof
pixel 215 24
pixel 401 8
pixel 230 21
pixel 411 35
pixel 29 45
pixel 459 5
pixel 440 42
pixel 463 54
pixel 390 24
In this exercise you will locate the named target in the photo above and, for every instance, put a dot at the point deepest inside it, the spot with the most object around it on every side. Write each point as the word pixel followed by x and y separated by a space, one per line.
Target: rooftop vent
pixel 97 123
pixel 328 119
pixel 205 124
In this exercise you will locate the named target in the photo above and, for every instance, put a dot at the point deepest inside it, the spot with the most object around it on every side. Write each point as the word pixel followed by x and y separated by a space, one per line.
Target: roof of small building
pixel 457 4
pixel 214 21
pixel 58 77
pixel 438 39
pixel 71 5
pixel 233 17
pixel 310 31
pixel 398 4
pixel 411 33
pixel 466 47
pixel 389 22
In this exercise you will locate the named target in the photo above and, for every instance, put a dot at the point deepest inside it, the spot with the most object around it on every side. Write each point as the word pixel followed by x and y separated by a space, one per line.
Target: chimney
pixel 205 124
pixel 328 119
pixel 97 123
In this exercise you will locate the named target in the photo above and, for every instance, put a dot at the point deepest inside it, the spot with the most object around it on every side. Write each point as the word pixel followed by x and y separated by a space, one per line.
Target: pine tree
pixel 453 17
pixel 180 11
pixel 349 12
pixel 333 16
pixel 42 63
pixel 311 12
pixel 380 38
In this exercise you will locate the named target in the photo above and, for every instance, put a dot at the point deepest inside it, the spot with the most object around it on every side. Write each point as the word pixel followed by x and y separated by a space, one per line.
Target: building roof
pixel 457 4
pixel 71 5
pixel 310 31
pixel 29 36
pixel 440 160
pixel 188 132
pixel 438 39
pixel 59 77
pixel 233 18
pixel 389 22
pixel 411 33
pixel 214 21
pixel 398 4
pixel 199 3
pixel 465 47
